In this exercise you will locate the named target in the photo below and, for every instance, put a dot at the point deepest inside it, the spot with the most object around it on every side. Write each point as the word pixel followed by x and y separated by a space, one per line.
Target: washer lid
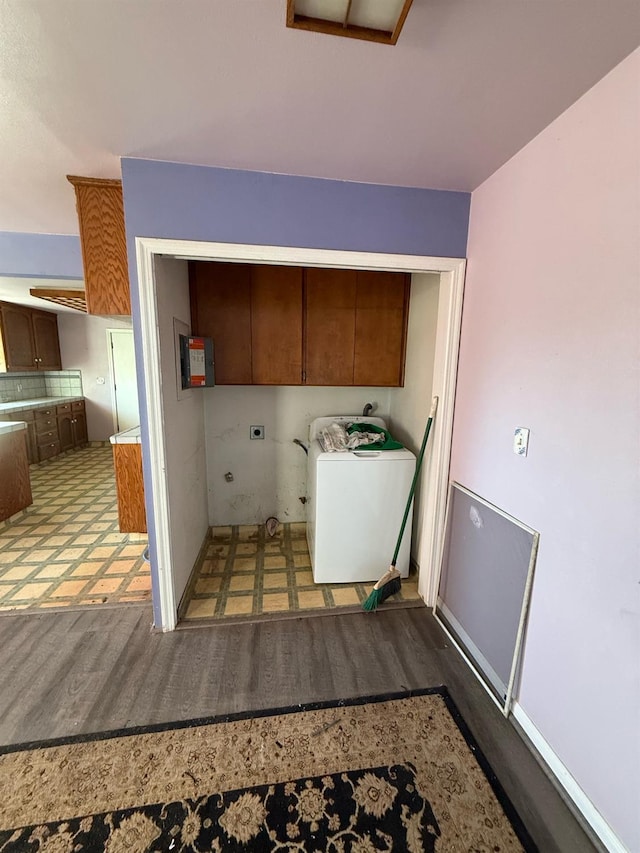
pixel 321 423
pixel 362 457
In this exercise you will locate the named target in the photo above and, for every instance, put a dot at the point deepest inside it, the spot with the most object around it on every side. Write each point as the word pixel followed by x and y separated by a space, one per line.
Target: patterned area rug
pixel 395 773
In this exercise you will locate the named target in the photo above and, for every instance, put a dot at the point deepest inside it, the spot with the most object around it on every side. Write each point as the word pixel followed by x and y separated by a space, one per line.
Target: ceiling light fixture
pixel 372 20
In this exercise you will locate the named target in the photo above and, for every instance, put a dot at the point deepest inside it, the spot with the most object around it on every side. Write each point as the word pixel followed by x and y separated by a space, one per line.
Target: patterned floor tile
pixel 244 572
pixel 66 548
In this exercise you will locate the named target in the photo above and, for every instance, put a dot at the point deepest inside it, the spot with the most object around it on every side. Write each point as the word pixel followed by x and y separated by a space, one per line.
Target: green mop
pixel 389 584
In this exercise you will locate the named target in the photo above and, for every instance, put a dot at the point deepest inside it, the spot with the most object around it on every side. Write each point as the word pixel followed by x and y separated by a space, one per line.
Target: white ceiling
pixel 225 83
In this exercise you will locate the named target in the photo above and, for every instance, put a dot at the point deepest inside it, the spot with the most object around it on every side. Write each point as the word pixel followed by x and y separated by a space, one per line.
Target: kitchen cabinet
pixel 253 312
pixel 100 209
pixel 15 484
pixel 72 425
pixel 28 339
pixel 221 309
pixel 47 438
pixel 276 325
pixel 127 461
pixel 53 429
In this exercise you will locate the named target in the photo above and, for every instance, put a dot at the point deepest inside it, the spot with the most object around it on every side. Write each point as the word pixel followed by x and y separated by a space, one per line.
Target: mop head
pixel 389 584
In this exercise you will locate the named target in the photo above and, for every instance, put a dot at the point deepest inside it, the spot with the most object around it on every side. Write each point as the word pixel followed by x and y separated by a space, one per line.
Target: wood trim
pixel 291 12
pixel 405 328
pixel 79 181
pixel 401 20
pixel 333 28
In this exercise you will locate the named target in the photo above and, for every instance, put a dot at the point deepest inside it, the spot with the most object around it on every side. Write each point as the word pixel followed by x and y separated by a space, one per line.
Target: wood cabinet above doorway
pixel 276 325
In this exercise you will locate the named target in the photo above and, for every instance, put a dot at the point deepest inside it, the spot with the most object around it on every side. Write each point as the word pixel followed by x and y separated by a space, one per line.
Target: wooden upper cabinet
pixel 276 325
pixel 18 347
pixel 104 246
pixel 47 343
pixel 221 309
pixel 28 339
pixel 382 313
pixel 330 319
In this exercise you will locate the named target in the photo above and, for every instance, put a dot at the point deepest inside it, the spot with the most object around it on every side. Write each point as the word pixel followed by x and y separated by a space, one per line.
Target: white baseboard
pixel 584 805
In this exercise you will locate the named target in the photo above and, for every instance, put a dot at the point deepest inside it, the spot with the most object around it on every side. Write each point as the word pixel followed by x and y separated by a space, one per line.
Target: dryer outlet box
pixel 256 431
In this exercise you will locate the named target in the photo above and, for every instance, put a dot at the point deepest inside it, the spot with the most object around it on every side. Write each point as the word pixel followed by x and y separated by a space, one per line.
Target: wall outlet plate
pixel 521 441
pixel 256 431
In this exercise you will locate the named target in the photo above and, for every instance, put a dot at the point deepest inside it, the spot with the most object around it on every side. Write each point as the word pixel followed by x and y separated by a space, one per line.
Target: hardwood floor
pixel 95 670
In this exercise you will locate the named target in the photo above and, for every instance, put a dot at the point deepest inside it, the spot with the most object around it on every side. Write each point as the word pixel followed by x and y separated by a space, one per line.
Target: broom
pixel 389 584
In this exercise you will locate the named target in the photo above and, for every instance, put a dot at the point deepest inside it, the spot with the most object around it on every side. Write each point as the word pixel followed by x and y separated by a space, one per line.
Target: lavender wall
pixel 40 255
pixel 231 206
pixel 185 202
pixel 550 341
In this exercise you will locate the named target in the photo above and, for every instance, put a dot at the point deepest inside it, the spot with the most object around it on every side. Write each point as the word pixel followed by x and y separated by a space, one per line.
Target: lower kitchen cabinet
pixel 47 438
pixel 72 425
pixel 53 429
pixel 127 461
pixel 15 485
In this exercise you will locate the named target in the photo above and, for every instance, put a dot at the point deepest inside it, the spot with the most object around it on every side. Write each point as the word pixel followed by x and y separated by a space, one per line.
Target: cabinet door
pixel 65 431
pixel 276 325
pixel 17 337
pixel 45 336
pixel 79 428
pixel 221 309
pixel 104 246
pixel 382 309
pixel 330 323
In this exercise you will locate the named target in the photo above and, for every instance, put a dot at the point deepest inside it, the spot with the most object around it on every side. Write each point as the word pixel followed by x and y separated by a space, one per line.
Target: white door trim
pixel 446 358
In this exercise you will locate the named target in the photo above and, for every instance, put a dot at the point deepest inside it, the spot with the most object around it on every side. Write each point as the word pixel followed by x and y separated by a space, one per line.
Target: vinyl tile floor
pixel 246 573
pixel 66 549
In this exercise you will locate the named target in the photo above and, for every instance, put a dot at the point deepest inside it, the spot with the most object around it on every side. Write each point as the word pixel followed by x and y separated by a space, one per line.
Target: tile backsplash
pixel 32 386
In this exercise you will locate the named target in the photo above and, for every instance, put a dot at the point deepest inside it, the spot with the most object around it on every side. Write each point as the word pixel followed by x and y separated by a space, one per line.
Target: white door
pixel 124 384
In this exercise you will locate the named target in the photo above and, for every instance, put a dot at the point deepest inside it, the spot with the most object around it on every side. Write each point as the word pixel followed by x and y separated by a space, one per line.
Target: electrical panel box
pixel 196 362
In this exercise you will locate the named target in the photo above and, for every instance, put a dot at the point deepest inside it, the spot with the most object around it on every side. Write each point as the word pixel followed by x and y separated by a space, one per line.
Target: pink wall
pixel 550 341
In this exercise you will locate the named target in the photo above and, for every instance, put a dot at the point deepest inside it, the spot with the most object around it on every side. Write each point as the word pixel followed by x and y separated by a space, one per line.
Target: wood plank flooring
pixel 95 670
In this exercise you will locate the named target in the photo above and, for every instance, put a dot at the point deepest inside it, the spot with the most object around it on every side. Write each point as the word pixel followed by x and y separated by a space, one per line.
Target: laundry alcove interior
pixel 201 436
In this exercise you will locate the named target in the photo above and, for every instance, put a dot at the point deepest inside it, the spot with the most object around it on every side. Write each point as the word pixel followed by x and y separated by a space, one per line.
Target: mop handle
pixel 434 406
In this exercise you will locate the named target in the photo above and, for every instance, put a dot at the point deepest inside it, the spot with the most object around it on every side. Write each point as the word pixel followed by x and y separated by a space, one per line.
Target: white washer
pixel 355 504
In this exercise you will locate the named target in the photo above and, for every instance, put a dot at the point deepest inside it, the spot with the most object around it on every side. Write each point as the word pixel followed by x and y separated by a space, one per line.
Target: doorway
pixel 124 384
pixel 177 492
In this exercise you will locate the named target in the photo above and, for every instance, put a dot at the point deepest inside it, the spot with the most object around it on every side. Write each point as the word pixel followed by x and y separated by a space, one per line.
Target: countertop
pixel 38 403
pixel 127 436
pixel 11 426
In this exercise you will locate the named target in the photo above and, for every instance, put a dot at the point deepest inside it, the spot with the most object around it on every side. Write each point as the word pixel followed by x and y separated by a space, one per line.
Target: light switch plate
pixel 521 441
